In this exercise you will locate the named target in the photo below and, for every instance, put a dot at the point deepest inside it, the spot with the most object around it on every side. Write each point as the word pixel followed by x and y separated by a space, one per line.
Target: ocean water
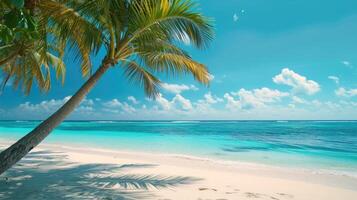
pixel 319 145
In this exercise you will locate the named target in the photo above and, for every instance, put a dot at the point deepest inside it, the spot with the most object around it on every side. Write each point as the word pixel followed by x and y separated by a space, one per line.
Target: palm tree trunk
pixel 14 153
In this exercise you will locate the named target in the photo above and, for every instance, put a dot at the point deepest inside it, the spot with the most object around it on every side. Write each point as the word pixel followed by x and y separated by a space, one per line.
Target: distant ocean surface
pixel 318 145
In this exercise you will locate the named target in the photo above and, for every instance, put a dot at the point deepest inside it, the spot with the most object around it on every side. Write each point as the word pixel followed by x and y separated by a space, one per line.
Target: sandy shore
pixel 129 175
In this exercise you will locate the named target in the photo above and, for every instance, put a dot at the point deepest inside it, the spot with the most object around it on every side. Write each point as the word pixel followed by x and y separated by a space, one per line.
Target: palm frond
pixel 69 25
pixel 138 74
pixel 58 65
pixel 170 59
pixel 174 18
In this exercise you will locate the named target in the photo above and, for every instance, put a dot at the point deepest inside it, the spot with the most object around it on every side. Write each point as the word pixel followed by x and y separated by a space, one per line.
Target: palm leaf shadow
pixel 47 175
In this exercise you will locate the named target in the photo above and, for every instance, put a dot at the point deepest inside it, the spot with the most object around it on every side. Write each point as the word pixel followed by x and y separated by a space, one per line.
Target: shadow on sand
pixel 48 175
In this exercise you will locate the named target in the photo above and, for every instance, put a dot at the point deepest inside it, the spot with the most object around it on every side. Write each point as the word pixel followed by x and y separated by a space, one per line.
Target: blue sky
pixel 272 59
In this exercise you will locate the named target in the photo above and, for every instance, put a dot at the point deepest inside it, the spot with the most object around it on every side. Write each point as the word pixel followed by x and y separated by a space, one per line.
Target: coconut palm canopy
pixel 34 41
pixel 141 36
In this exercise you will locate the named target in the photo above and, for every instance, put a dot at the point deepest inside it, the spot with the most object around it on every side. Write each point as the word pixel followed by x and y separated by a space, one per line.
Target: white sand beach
pixel 83 173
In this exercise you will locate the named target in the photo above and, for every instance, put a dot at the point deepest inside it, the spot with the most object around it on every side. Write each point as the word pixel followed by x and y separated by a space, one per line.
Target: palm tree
pixel 34 39
pixel 142 37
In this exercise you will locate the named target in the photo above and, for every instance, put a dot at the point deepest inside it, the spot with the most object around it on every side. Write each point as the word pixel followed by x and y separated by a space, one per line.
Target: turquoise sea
pixel 319 145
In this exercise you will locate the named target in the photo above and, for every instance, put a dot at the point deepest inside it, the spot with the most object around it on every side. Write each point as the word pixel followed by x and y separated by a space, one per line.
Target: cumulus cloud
pixel 114 103
pixel 300 84
pixel 177 89
pixel 128 108
pixel 334 78
pixel 178 103
pixel 115 106
pixel 262 103
pixel 44 106
pixel 342 92
pixel 133 100
pixel 232 103
pixel 182 102
pixel 210 99
pixel 205 104
pixel 253 98
pixel 163 102
pixel 85 109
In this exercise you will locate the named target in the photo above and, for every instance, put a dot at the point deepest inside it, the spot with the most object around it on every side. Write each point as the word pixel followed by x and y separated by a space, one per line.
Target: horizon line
pixel 153 120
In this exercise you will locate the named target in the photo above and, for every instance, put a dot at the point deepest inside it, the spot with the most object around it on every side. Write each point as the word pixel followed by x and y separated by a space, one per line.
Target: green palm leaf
pixel 138 74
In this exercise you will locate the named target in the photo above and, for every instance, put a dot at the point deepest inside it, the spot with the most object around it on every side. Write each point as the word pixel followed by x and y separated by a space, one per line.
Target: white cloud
pixel 349 103
pixel 87 102
pixel 346 92
pixel 334 78
pixel 297 82
pixel 248 99
pixel 114 103
pixel 205 105
pixel 298 100
pixel 133 100
pixel 182 102
pixel 177 89
pixel 115 106
pixel 210 77
pixel 85 109
pixel 316 103
pixel 269 95
pixel 164 103
pixel 128 108
pixel 231 102
pixel 347 63
pixel 210 99
pixel 340 92
pixel 235 17
pixel 263 103
pixel 260 103
pixel 178 103
pixel 44 106
pixel 332 105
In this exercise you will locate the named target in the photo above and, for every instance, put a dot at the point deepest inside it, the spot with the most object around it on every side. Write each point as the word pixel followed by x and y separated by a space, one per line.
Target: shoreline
pixel 81 147
pixel 217 180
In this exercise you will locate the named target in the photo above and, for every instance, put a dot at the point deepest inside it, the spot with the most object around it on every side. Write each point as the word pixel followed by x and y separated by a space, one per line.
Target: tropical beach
pixel 178 99
pixel 64 172
pixel 148 165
